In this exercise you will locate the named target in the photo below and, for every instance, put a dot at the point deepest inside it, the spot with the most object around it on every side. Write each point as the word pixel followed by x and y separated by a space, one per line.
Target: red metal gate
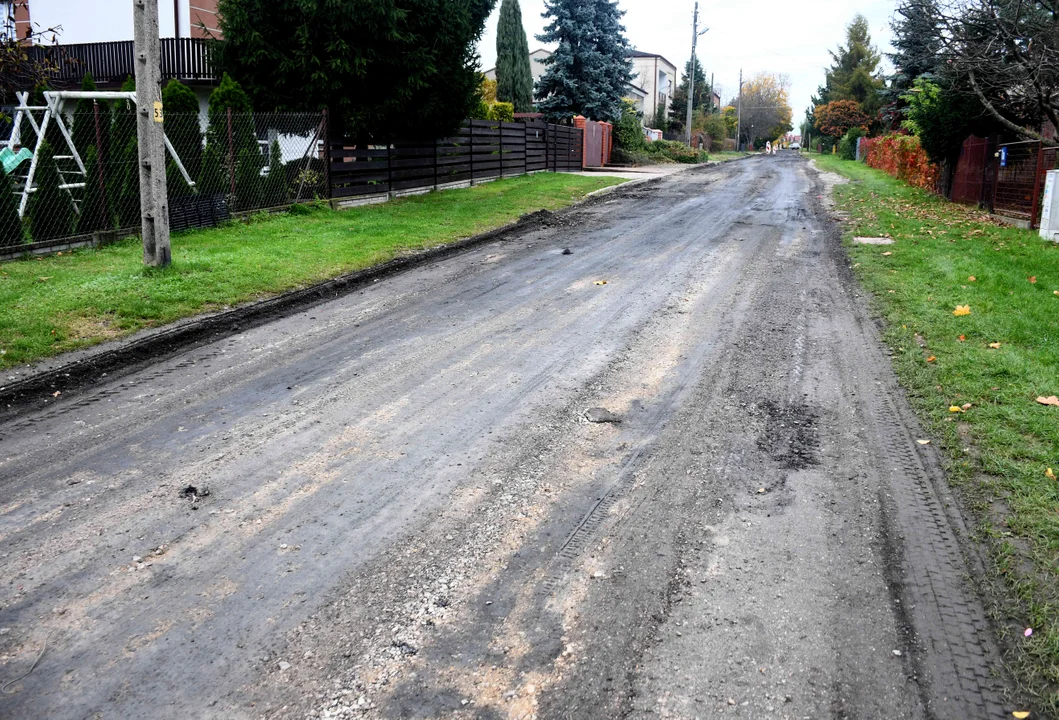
pixel 593 144
pixel 969 178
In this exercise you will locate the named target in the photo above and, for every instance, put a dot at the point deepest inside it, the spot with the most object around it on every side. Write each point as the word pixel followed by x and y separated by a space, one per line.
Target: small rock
pixel 897 653
pixel 283 665
pixel 4 631
pixel 308 654
pixel 731 701
pixel 601 415
pixel 283 546
pixel 567 251
pixel 137 558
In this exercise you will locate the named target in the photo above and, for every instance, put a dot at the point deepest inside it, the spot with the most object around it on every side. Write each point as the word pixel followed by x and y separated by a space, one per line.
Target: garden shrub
pixel 902 157
pixel 847 146
pixel 502 112
pixel 51 209
pixel 11 232
pixel 95 209
pixel 628 131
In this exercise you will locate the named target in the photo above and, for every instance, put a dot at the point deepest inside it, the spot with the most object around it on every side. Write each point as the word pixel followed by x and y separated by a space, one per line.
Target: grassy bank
pixel 69 301
pixel 991 365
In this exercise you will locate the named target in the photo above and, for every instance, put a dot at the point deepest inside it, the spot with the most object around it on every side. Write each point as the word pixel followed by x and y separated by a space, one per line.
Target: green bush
pixel 51 209
pixel 95 210
pixel 502 112
pixel 847 146
pixel 181 113
pixel 628 131
pixel 677 151
pixel 622 156
pixel 275 184
pixel 10 224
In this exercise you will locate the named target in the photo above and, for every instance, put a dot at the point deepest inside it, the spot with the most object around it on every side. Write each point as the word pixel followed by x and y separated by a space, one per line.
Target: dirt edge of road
pixel 63 376
pixel 958 506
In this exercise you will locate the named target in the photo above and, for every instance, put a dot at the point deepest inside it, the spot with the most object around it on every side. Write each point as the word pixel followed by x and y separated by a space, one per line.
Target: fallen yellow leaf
pixel 995 346
pixel 1049 474
pixel 966 406
pixel 600 282
pixel 962 310
pixel 1032 279
pixel 1021 714
pixel 931 359
pixel 972 278
pixel 887 254
pixel 1055 292
pixel 955 409
pixel 923 442
pixel 1053 400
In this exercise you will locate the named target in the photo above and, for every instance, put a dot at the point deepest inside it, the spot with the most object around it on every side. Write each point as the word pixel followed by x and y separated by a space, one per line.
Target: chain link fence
pixel 83 179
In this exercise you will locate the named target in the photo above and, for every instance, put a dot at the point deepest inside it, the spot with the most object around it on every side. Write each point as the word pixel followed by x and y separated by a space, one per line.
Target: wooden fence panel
pixel 479 150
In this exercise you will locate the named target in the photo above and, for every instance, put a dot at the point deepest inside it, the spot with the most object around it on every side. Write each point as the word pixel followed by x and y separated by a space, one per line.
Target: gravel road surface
pixel 645 460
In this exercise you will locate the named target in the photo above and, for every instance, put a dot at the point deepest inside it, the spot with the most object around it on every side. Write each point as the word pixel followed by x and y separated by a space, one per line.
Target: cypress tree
pixel 51 210
pixel 275 186
pixel 182 124
pixel 589 70
pixel 211 177
pixel 514 77
pixel 126 196
pixel 239 153
pixel 84 126
pixel 11 232
pixel 122 162
pixel 95 210
pixel 248 167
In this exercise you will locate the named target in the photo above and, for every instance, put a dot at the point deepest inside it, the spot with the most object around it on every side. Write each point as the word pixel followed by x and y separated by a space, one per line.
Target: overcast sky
pixel 755 35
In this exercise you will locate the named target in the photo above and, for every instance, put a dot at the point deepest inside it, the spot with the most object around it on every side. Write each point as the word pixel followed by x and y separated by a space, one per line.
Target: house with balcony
pixel 97 37
pixel 655 79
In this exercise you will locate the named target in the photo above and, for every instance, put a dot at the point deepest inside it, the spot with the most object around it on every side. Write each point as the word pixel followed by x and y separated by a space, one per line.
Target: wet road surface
pixel 393 505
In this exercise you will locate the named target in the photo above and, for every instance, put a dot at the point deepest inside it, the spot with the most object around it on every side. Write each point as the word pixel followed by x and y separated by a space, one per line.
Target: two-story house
pixel 97 37
pixel 654 77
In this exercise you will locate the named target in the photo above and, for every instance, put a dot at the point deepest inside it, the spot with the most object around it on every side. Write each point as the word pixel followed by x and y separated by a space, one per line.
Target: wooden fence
pixel 480 150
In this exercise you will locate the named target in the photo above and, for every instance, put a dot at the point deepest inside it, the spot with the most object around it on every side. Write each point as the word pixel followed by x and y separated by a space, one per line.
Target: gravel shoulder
pixel 411 512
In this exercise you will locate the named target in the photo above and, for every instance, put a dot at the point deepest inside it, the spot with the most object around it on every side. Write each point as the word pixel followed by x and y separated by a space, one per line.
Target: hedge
pixel 904 158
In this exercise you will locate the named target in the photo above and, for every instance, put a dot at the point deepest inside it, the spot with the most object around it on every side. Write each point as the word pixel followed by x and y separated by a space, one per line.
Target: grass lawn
pixel 1000 358
pixel 63 302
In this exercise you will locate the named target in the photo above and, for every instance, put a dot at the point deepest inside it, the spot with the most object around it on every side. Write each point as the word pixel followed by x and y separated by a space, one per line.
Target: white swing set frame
pixel 52 108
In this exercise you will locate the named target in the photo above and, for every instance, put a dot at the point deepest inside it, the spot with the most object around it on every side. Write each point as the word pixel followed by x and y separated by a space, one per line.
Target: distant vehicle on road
pixel 796 146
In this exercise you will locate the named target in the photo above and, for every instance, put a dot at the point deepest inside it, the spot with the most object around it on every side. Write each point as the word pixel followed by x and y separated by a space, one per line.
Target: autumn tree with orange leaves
pixel 836 118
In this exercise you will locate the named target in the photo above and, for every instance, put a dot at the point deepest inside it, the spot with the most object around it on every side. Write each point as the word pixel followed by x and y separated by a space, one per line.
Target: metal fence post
pixel 470 132
pixel 231 156
pixel 327 154
pixel 1037 185
pixel 500 125
pixel 435 156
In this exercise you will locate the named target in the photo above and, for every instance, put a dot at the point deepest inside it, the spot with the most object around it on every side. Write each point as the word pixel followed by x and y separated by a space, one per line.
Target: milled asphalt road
pixel 408 514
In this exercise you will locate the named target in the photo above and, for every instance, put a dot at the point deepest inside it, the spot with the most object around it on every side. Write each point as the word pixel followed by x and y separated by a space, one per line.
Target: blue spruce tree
pixel 589 70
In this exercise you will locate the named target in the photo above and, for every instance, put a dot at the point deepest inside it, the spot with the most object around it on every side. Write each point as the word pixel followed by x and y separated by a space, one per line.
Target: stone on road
pixel 491 487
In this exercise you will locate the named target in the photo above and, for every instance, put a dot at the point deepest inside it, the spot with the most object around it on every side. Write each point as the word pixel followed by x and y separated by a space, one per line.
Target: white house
pixel 656 78
pixel 537 67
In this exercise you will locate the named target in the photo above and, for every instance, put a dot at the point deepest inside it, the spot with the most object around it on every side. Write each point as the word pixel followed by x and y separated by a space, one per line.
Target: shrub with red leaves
pixel 904 158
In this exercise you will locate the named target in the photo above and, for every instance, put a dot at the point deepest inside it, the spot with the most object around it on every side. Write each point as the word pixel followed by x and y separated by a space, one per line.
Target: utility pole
pixel 154 206
pixel 739 115
pixel 691 75
pixel 714 110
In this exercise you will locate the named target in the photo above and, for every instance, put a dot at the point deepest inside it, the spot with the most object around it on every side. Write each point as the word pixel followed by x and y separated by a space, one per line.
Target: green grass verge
pixel 60 303
pixel 1000 449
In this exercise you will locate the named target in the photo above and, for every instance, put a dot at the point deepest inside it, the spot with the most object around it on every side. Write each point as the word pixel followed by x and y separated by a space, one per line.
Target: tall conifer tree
pixel 514 78
pixel 589 70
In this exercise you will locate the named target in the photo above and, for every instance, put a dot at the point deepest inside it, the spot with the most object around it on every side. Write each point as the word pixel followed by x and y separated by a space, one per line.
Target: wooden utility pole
pixel 691 75
pixel 739 115
pixel 154 205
